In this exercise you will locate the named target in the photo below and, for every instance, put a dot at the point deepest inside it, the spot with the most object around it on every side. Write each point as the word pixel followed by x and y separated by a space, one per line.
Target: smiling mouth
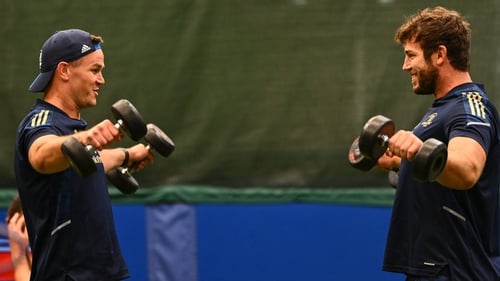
pixel 413 78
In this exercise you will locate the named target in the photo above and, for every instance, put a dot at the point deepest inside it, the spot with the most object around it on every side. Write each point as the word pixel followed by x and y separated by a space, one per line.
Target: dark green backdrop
pixel 253 93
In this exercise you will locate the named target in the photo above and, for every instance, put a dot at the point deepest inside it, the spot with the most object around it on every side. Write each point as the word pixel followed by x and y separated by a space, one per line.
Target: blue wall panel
pixel 283 242
pixel 131 228
pixel 291 242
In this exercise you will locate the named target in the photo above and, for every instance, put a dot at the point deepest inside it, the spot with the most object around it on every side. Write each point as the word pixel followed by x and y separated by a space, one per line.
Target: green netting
pixel 256 195
pixel 251 195
pixel 253 93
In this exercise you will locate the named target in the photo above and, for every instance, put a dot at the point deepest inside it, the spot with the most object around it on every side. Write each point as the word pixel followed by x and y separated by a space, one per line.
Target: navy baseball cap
pixel 66 45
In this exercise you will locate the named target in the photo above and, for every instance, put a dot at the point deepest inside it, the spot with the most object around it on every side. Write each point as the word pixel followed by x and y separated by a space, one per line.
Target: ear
pixel 442 54
pixel 62 71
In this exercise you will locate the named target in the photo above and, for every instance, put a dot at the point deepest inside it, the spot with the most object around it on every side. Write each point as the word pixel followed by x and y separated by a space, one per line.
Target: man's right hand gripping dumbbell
pixel 80 149
pixel 377 144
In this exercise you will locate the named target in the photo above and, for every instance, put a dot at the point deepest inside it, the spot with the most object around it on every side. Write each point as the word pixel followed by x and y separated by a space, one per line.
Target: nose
pixel 100 79
pixel 406 64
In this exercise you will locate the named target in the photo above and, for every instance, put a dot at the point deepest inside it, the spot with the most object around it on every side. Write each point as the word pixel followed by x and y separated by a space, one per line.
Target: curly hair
pixel 437 26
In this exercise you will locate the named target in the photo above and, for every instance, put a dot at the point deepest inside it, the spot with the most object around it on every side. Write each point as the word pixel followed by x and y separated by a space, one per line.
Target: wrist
pixel 19 256
pixel 126 159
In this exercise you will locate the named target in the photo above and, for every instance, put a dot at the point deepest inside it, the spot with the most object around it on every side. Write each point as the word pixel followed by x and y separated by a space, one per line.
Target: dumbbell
pixel 429 161
pixel 156 139
pixel 360 162
pixel 128 120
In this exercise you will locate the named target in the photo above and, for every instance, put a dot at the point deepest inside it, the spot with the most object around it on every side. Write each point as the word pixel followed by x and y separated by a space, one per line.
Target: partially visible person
pixel 18 241
pixel 449 229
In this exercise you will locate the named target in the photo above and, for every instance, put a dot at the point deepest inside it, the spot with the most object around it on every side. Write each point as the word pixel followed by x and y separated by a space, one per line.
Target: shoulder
pixel 43 118
pixel 39 117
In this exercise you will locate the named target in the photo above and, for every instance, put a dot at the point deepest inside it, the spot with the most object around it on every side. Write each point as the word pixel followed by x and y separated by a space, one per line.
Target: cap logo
pixel 85 49
pixel 40 59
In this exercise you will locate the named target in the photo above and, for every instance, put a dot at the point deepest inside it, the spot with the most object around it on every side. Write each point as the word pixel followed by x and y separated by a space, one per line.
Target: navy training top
pixel 69 218
pixel 433 227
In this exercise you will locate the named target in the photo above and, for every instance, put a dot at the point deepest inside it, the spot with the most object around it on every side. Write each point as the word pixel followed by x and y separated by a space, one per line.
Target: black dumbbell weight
pixel 159 141
pixel 156 139
pixel 429 160
pixel 128 120
pixel 358 160
pixel 374 136
pixel 123 180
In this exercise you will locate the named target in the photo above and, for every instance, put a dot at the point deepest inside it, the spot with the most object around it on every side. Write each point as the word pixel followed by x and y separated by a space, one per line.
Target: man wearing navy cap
pixel 69 217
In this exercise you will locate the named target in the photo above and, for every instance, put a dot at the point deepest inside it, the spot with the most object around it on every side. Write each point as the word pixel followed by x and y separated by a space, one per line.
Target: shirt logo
pixel 429 120
pixel 476 105
pixel 41 118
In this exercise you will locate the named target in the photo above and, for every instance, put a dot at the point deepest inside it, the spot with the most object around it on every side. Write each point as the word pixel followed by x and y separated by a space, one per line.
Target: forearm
pixel 22 271
pixel 21 259
pixel 459 173
pixel 45 154
pixel 112 158
pixel 138 156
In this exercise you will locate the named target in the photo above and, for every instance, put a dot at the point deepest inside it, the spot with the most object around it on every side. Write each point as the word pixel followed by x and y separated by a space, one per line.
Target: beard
pixel 427 81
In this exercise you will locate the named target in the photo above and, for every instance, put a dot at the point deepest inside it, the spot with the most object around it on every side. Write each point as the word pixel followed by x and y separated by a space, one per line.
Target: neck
pixel 447 82
pixel 65 104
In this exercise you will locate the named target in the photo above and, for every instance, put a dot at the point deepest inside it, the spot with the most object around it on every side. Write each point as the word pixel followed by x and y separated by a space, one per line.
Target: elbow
pixel 37 164
pixel 40 166
pixel 464 180
pixel 469 181
pixel 470 177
